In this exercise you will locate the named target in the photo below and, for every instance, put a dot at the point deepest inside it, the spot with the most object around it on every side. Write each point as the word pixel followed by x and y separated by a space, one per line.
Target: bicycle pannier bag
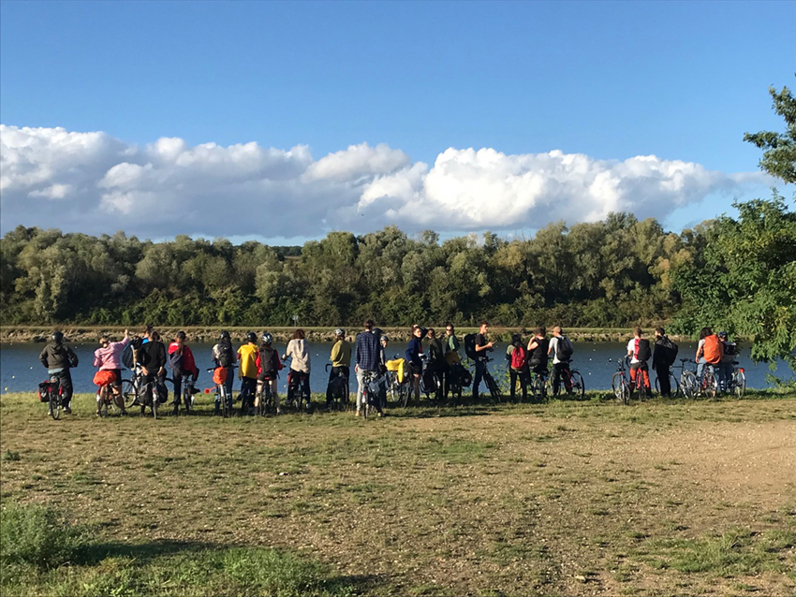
pixel 219 375
pixel 43 391
pixel 103 378
pixel 711 350
pixel 429 381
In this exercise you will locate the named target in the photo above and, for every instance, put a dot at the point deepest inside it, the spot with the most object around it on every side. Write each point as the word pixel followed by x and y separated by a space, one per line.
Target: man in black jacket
pixel 59 359
pixel 152 358
pixel 663 357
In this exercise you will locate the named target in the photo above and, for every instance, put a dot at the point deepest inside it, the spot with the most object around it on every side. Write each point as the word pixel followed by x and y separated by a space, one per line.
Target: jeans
pixel 558 374
pixel 248 386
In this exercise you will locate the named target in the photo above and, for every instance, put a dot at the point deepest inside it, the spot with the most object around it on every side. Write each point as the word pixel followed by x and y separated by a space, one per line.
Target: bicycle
pixel 737 383
pixel 620 382
pixel 297 395
pixel 455 376
pixel 694 386
pixel 264 398
pixel 130 387
pixel 574 381
pixel 491 384
pixel 108 397
pixel 370 398
pixel 222 399
pixel 50 392
pixel 187 395
pixel 674 385
pixel 337 390
pixel 538 385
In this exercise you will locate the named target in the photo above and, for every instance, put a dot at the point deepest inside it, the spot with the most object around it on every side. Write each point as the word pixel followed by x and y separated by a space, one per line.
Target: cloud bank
pixel 95 183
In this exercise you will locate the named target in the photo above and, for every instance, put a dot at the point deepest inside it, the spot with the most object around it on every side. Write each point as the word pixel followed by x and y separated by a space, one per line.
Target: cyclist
pixel 481 348
pixel 725 367
pixel 561 349
pixel 341 362
pixel 537 351
pixel 224 356
pixel 413 356
pixel 663 357
pixel 368 360
pixel 268 367
pixel 436 360
pixel 182 365
pixel 638 349
pixel 451 344
pixel 518 366
pixel 108 358
pixel 59 358
pixel 710 350
pixel 152 358
pixel 298 351
pixel 247 373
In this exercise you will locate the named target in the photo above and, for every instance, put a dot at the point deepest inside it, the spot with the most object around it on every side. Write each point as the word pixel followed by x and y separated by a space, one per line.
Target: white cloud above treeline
pixel 95 183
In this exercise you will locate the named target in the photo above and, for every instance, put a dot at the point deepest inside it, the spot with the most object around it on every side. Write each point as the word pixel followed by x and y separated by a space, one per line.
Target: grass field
pixel 567 498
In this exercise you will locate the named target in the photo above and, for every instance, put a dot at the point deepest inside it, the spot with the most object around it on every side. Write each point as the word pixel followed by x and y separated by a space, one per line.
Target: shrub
pixel 35 535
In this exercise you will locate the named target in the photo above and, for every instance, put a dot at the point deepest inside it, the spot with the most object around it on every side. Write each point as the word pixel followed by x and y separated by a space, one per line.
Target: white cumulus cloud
pixel 94 183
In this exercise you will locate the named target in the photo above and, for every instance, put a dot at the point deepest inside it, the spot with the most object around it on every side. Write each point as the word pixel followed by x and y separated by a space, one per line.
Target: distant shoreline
pixel 83 333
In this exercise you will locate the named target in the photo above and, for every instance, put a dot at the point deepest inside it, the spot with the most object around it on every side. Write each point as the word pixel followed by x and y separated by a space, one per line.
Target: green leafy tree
pixel 779 155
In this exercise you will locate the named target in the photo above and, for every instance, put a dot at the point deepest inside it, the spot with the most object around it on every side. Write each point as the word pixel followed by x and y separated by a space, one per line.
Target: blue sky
pixel 681 81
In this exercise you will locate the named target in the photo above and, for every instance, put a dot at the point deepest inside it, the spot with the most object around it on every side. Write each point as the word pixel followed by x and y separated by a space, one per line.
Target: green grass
pixel 565 498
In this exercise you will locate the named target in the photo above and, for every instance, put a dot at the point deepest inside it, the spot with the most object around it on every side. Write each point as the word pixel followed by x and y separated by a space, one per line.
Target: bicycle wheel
pixel 129 393
pixel 738 383
pixel 226 407
pixel 710 384
pixel 491 384
pixel 55 404
pixel 619 387
pixel 405 391
pixel 689 384
pixel 539 388
pixel 578 385
pixel 155 402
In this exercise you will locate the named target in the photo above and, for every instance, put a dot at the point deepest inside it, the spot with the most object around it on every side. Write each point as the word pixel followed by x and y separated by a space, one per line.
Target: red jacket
pixel 188 363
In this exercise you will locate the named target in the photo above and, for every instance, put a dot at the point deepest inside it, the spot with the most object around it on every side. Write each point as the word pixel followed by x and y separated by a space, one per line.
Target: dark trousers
pixel 662 369
pixel 302 379
pixel 480 367
pixel 524 378
pixel 334 372
pixel 248 387
pixel 65 383
pixel 178 385
pixel 558 374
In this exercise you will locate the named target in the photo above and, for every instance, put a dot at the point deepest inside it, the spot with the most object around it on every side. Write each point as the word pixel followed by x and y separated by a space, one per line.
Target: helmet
pixel 385 339
pixel 339 332
pixel 251 337
pixel 224 335
pixel 267 338
pixel 57 337
pixel 722 334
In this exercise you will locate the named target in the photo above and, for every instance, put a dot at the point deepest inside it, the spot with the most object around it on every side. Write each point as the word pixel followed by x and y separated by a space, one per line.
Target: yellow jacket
pixel 247 355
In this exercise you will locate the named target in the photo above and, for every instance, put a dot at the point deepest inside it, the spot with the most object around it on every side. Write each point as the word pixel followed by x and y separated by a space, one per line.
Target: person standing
pixel 59 358
pixel 561 349
pixel 518 367
pixel 298 351
pixel 436 361
pixel 182 365
pixel 725 367
pixel 451 345
pixel 414 357
pixel 224 356
pixel 367 362
pixel 247 373
pixel 152 358
pixel 268 368
pixel 710 351
pixel 638 349
pixel 663 356
pixel 108 358
pixel 482 347
pixel 340 358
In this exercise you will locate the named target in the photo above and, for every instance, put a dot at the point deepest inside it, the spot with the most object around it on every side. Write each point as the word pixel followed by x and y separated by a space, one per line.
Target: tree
pixel 779 156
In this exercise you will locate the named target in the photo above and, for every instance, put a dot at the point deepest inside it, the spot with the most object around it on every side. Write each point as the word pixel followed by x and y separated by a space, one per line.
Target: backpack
pixel 564 349
pixel 225 357
pixel 670 349
pixel 338 387
pixel 267 364
pixel 642 352
pixel 711 350
pixel 518 358
pixel 469 346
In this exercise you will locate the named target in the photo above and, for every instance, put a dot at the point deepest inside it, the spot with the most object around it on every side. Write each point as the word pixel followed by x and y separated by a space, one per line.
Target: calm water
pixel 21 371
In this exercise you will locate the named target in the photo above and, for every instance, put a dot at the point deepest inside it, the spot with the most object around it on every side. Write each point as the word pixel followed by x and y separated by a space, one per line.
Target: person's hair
pixel 637 331
pixel 705 333
pixel 180 335
pixel 430 332
pixel 369 324
pixel 483 323
pixel 299 334
pixel 450 325
pixel 660 330
pixel 516 339
pixel 149 330
pixel 155 336
pixel 558 329
pixel 540 331
pixel 103 339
